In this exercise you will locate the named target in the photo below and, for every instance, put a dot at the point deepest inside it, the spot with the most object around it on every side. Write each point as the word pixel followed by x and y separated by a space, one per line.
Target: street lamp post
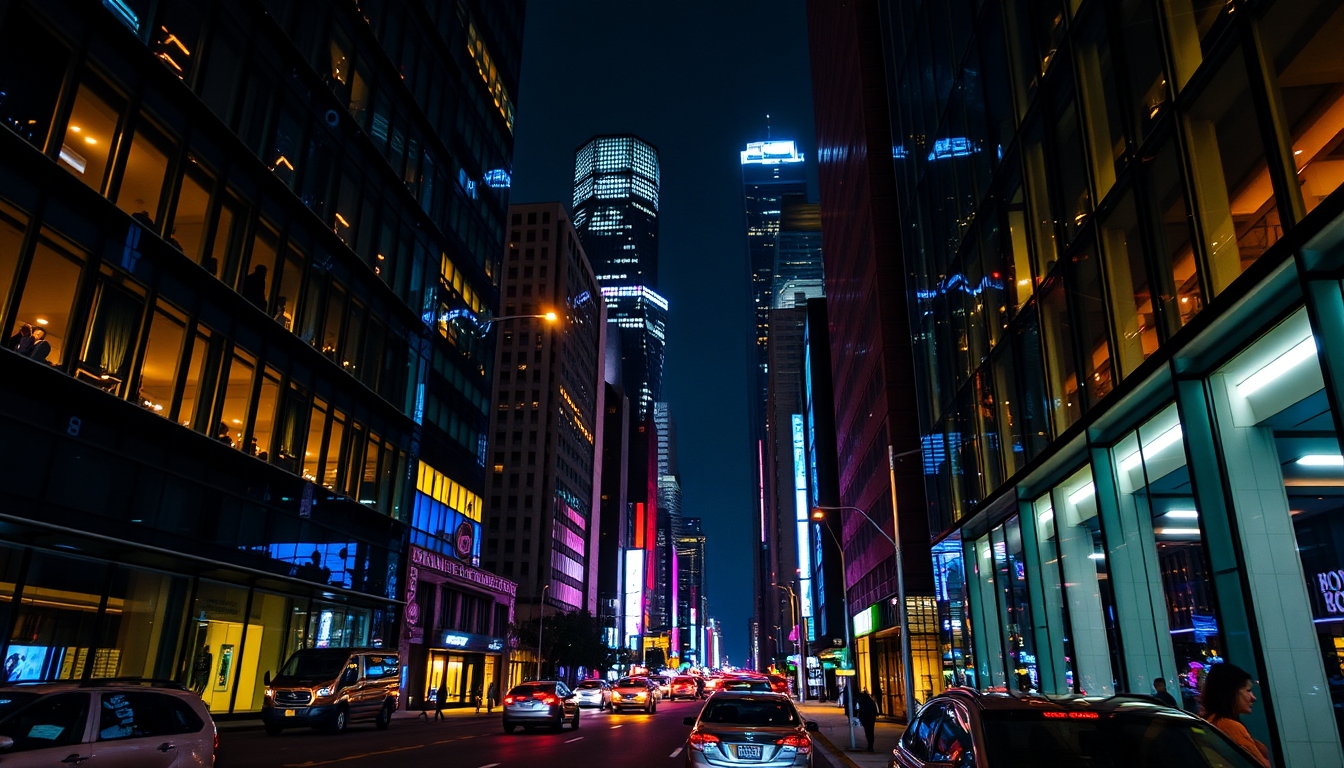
pixel 819 515
pixel 549 317
pixel 541 624
pixel 798 629
pixel 907 659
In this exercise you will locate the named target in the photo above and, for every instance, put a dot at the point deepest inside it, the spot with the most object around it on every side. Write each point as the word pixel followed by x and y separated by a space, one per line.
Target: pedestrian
pixel 877 696
pixel 699 687
pixel 491 696
pixel 254 286
pixel 476 698
pixel 200 669
pixel 1225 698
pixel 844 695
pixel 865 709
pixel 41 347
pixel 441 698
pixel 22 340
pixel 1160 693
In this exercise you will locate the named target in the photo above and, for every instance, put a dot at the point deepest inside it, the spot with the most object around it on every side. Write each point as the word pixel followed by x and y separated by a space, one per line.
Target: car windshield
pixel 532 690
pixel 1019 739
pixel 588 684
pixel 11 702
pixel 768 712
pixel 315 665
pixel 746 685
pixel 631 682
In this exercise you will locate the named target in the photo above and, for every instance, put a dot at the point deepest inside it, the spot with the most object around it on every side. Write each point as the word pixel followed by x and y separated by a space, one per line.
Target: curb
pixel 834 751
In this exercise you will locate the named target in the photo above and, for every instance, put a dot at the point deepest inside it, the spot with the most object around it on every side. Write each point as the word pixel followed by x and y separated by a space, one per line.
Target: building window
pixel 187 232
pixel 162 356
pixel 33 64
pixel 91 132
pixel 48 295
pixel 112 335
pixel 1133 311
pixel 141 186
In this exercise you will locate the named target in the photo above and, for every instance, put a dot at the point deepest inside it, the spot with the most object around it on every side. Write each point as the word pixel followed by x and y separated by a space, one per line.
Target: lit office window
pixel 48 294
pixel 142 178
pixel 91 132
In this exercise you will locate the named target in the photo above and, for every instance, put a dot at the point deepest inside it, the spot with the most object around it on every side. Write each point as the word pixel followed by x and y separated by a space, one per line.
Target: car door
pixel 913 749
pixel 568 703
pixel 52 732
pixel 950 738
pixel 142 729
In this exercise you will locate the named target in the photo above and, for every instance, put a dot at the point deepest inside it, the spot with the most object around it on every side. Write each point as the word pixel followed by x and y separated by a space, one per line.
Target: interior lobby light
pixel 1097 556
pixel 1176 531
pixel 1322 460
pixel 1182 514
pixel 1081 495
pixel 1170 437
pixel 1277 367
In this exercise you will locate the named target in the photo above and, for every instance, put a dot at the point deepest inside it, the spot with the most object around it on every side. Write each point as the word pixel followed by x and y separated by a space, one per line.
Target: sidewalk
pixel 834 737
pixel 400 716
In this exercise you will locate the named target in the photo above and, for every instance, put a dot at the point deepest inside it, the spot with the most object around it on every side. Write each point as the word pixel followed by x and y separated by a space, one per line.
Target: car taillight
pixel 508 699
pixel 699 740
pixel 551 700
pixel 801 743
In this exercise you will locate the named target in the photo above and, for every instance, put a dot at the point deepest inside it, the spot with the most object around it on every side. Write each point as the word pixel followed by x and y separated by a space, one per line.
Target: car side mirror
pixel 6 743
pixel 266 678
pixel 811 725
pixel 688 721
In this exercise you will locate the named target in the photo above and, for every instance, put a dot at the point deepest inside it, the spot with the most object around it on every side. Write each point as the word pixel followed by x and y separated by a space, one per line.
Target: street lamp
pixel 541 624
pixel 907 658
pixel 549 317
pixel 820 516
pixel 798 629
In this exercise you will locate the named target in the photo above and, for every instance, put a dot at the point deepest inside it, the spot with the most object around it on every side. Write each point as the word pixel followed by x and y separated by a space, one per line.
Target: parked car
pixel 662 684
pixel 156 724
pixel 963 728
pixel 763 729
pixel 544 702
pixel 632 693
pixel 593 693
pixel 331 688
pixel 683 686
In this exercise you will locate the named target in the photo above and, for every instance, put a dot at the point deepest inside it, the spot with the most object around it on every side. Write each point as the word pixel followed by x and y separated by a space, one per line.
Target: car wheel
pixel 339 721
pixel 508 727
pixel 559 723
pixel 274 730
pixel 575 724
pixel 384 718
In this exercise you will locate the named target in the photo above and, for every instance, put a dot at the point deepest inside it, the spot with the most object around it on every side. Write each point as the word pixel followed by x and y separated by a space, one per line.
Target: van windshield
pixel 315 664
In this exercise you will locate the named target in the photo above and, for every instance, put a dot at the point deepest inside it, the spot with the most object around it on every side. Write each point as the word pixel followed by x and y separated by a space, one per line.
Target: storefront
pixel 455 644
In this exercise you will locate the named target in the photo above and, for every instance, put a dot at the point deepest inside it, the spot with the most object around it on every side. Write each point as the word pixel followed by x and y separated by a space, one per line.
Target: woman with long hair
pixel 1227 696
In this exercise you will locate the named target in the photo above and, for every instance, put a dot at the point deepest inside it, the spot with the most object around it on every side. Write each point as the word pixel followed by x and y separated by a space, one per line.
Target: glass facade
pixel 1158 201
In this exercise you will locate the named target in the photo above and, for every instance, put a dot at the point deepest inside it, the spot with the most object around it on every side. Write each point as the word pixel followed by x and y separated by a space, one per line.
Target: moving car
pixel 963 728
pixel 662 684
pixel 757 684
pixel 331 688
pixel 683 686
pixel 544 702
pixel 634 693
pixel 593 693
pixel 763 729
pixel 150 723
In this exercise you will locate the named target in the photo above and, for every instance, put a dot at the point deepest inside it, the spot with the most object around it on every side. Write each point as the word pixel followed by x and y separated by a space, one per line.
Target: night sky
pixel 696 78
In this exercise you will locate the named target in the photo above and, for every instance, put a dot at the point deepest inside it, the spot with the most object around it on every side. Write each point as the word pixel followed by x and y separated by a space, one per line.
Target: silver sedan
pixel 543 703
pixel 760 729
pixel 593 693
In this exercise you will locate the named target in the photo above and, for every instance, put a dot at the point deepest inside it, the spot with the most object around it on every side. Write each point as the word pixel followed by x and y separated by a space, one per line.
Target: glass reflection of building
pixel 1122 222
pixel 240 235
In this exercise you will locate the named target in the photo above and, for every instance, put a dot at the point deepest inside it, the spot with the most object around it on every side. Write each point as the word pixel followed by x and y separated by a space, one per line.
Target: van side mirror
pixel 266 678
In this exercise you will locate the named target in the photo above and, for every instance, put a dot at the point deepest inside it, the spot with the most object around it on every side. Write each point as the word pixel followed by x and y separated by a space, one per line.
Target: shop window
pixel 1239 217
pixel 55 620
pixel 187 233
pixel 91 132
pixel 1100 101
pixel 1083 282
pixel 13 222
pixel 1170 218
pixel 1148 89
pixel 216 633
pixel 337 626
pixel 272 615
pixel 112 336
pixel 1056 660
pixel 163 354
pixel 141 186
pixel 1061 368
pixel 140 630
pixel 313 446
pixel 290 288
pixel 198 366
pixel 1301 42
pixel 1172 632
pixel 263 425
pixel 235 398
pixel 33 63
pixel 1133 311
pixel 48 295
pixel 1194 26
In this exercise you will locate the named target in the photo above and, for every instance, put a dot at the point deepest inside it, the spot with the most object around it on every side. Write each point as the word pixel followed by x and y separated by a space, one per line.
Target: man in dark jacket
pixel 41 347
pixel 866 710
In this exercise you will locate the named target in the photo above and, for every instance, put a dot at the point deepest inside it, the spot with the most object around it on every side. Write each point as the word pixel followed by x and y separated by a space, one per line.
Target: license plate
pixel 290 713
pixel 749 751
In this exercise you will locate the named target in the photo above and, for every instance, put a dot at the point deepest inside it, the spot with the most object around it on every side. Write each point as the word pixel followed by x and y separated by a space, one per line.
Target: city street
pixel 628 739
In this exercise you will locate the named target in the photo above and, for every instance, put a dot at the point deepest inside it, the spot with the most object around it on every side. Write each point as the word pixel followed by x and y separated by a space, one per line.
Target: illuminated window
pixel 91 132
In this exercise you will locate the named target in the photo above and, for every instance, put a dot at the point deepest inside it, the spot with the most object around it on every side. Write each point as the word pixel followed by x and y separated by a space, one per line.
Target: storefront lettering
pixel 1331 584
pixel 436 562
pixel 455 641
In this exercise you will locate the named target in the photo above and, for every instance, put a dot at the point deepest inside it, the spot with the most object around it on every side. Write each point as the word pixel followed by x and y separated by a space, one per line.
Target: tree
pixel 570 640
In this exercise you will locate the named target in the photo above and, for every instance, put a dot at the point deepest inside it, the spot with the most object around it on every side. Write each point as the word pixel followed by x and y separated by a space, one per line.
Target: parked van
pixel 331 688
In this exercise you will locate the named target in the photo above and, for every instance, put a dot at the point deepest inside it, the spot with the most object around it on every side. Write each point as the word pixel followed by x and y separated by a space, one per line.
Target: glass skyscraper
pixel 616 182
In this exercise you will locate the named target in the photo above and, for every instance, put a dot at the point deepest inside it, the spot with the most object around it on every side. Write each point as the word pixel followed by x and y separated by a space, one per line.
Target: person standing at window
pixel 22 340
pixel 254 286
pixel 41 347
pixel 1226 697
pixel 1160 693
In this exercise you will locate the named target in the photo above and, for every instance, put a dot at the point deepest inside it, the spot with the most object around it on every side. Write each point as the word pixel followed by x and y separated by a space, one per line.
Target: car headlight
pixel 641 695
pixel 324 691
pixel 270 692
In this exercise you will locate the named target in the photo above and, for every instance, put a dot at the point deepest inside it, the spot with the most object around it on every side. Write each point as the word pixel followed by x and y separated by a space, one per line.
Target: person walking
pixel 1160 693
pixel 491 696
pixel 477 699
pixel 441 698
pixel 699 687
pixel 1227 696
pixel 865 709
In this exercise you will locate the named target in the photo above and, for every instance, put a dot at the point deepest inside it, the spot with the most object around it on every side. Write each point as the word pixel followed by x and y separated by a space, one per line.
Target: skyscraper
pixel 616 182
pixel 663 613
pixel 543 515
pixel 798 262
pixel 692 601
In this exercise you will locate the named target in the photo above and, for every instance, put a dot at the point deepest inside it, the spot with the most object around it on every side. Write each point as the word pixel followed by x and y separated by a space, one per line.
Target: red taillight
pixel 801 743
pixel 551 700
pixel 508 699
pixel 699 740
pixel 1071 715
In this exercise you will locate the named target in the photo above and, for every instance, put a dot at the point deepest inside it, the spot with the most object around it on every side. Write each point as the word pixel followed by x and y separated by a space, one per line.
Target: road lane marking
pixel 489 765
pixel 675 752
pixel 571 741
pixel 358 757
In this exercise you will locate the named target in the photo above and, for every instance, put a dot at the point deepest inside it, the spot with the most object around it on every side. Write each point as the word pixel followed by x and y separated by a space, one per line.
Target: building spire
pixel 767 126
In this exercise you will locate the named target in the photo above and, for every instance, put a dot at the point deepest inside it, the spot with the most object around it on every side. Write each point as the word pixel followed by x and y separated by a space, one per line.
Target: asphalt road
pixel 603 740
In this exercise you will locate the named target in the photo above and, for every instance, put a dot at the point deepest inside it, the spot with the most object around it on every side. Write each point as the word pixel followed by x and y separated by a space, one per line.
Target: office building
pixel 230 222
pixel 1128 349
pixel 614 530
pixel 871 357
pixel 616 183
pixel 543 518
pixel 798 262
pixel 692 600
